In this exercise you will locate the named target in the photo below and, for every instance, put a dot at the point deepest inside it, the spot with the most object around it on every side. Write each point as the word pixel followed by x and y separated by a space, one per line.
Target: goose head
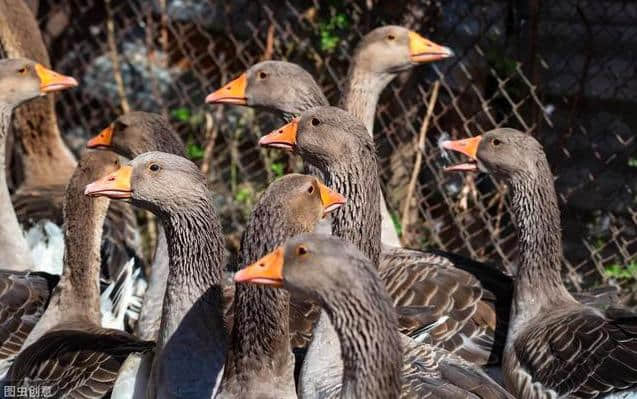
pixel 503 152
pixel 274 85
pixel 22 80
pixel 391 49
pixel 137 132
pixel 156 181
pixel 308 265
pixel 321 135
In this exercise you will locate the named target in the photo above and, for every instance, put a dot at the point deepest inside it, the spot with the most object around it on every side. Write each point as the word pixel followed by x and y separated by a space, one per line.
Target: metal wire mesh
pixel 559 72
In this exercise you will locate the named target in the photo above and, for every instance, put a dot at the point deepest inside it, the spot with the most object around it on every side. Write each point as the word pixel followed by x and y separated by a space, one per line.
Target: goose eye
pixel 301 250
pixel 310 189
pixel 391 37
pixel 262 75
pixel 154 167
pixel 496 142
pixel 22 70
pixel 315 122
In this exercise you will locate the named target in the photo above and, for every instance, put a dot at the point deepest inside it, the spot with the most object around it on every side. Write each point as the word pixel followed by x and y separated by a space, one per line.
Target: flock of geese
pixel 347 313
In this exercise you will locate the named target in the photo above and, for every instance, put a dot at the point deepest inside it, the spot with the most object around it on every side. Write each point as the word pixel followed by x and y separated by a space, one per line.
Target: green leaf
pixel 397 225
pixel 182 114
pixel 277 168
pixel 194 151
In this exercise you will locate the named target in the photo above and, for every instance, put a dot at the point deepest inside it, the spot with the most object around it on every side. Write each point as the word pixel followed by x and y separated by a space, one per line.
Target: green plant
pixel 329 31
pixel 278 168
pixel 622 272
pixel 397 224
pixel 632 162
pixel 182 114
pixel 194 151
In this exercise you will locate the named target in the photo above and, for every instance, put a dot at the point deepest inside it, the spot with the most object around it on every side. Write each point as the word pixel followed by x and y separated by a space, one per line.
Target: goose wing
pixel 23 299
pixel 581 351
pixel 73 363
pixel 462 311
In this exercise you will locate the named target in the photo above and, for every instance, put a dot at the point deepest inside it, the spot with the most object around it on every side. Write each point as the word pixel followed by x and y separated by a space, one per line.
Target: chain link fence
pixel 562 71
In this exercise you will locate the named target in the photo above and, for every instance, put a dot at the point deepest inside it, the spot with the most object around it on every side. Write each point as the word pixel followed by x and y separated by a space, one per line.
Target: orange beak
pixel 232 93
pixel 469 147
pixel 267 270
pixel 51 81
pixel 102 140
pixel 284 137
pixel 330 199
pixel 117 185
pixel 423 50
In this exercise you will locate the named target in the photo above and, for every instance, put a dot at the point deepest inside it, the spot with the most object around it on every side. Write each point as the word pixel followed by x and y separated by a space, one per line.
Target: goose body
pixel 260 362
pixel 379 362
pixel 463 319
pixel 174 189
pixel 68 351
pixel 556 346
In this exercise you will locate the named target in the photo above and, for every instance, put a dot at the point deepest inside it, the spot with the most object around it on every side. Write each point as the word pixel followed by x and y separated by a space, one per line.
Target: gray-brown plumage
pixel 68 352
pixel 260 362
pixel 438 304
pixel 556 346
pixel 46 164
pixel 130 135
pixel 378 361
pixel 191 347
pixel 24 297
pixel 474 303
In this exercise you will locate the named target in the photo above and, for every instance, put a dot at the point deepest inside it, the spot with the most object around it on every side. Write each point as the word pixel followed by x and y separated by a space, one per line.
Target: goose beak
pixel 330 199
pixel 423 50
pixel 51 81
pixel 102 140
pixel 232 93
pixel 469 147
pixel 284 137
pixel 117 185
pixel 267 270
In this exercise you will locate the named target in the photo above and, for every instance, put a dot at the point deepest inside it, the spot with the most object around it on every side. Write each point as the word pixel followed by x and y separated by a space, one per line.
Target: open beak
pixel 469 147
pixel 284 137
pixel 117 185
pixel 267 270
pixel 424 50
pixel 330 199
pixel 232 93
pixel 102 140
pixel 51 81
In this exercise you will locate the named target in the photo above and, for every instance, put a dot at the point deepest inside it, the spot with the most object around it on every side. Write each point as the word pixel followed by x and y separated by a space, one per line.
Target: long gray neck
pixel 365 322
pixel 362 90
pixel 80 292
pixel 195 249
pixel 260 341
pixel 14 251
pixel 358 221
pixel 538 219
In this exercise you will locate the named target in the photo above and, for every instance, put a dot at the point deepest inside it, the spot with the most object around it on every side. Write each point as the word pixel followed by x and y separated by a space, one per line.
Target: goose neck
pixel 82 242
pixel 369 340
pixel 13 247
pixel 362 90
pixel 359 220
pixel 536 212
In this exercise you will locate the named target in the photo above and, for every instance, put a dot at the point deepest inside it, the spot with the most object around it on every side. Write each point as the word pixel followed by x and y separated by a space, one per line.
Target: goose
pixel 192 343
pixel 378 361
pixel 46 164
pixel 263 86
pixel 260 362
pixel 130 135
pixel 556 346
pixel 337 143
pixel 24 293
pixel 71 354
pixel 379 57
